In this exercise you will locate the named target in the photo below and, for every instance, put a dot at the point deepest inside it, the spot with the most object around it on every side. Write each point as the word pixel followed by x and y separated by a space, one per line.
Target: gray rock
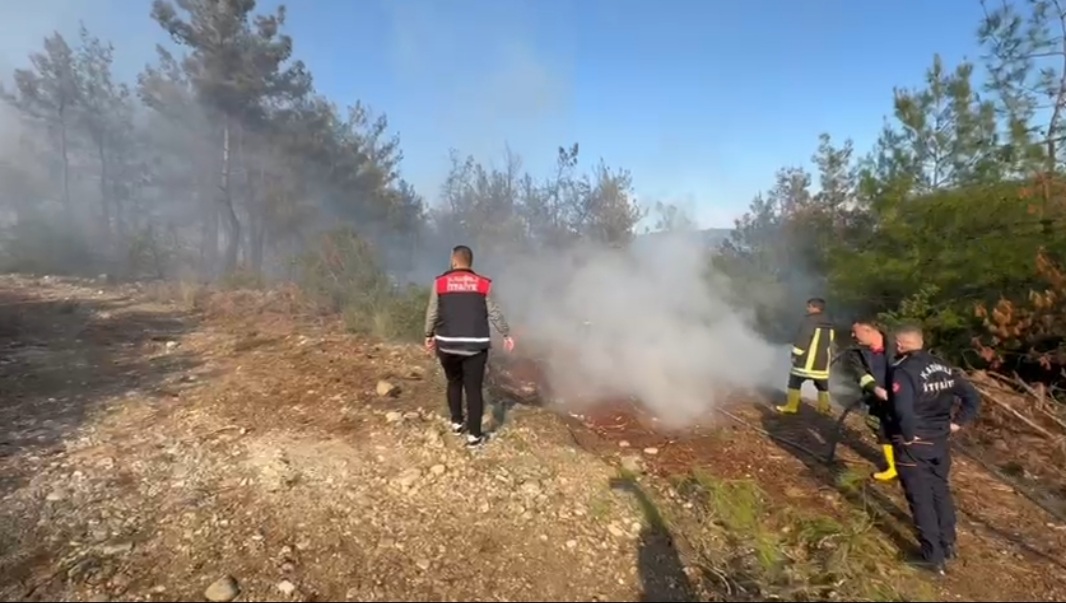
pixel 530 489
pixel 387 389
pixel 408 477
pixel 117 548
pixel 222 590
pixel 286 587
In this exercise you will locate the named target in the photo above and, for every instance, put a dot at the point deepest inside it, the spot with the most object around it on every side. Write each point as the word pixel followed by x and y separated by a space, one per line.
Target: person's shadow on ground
pixel 662 574
pixel 809 435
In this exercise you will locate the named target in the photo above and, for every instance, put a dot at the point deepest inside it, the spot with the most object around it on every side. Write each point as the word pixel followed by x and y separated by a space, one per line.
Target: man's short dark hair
pixel 817 303
pixel 464 254
pixel 865 319
pixel 909 329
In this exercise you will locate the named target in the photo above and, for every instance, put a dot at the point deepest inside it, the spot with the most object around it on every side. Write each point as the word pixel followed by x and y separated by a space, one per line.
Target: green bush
pixel 343 273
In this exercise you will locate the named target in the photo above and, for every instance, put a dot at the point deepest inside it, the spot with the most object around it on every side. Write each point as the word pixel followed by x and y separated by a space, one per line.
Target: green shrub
pixel 343 273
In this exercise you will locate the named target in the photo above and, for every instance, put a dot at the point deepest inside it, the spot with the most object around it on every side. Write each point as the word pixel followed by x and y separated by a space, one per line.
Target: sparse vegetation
pixel 222 183
pixel 770 549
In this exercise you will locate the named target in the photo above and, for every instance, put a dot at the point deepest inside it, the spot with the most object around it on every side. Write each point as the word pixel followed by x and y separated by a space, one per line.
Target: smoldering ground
pixel 650 322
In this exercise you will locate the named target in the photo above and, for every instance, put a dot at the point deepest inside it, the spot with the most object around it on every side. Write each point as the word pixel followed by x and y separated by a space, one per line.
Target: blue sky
pixel 701 100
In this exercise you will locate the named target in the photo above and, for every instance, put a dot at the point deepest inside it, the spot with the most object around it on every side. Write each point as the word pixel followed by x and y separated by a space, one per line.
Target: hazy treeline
pixel 223 161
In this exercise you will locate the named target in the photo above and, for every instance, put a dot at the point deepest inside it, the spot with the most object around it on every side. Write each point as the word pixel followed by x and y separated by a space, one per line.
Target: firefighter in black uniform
pixel 461 305
pixel 923 396
pixel 811 356
pixel 870 362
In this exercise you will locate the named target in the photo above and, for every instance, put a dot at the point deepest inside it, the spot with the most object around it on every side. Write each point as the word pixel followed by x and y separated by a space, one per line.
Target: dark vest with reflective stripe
pixel 463 310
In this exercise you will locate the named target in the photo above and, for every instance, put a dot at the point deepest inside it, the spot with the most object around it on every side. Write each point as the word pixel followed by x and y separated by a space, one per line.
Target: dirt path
pixel 148 451
pixel 146 454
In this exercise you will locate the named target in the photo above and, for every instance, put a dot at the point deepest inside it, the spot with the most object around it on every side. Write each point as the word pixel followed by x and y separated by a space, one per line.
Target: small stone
pixel 286 587
pixel 571 544
pixel 393 417
pixel 651 451
pixel 632 463
pixel 408 477
pixel 54 496
pixel 172 345
pixel 388 389
pixel 616 531
pixel 222 590
pixel 423 565
pixel 438 469
pixel 623 444
pixel 117 548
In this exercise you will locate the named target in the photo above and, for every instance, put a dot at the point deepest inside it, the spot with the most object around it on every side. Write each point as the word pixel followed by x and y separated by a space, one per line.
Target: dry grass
pixel 755 525
pixel 772 550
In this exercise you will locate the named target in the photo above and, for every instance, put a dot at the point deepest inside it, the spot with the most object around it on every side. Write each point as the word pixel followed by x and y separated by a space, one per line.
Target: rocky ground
pixel 190 446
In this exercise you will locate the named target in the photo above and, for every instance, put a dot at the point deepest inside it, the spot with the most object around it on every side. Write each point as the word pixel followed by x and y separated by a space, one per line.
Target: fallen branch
pixel 773 436
pixel 1042 407
pixel 1017 382
pixel 1017 415
pixel 1039 395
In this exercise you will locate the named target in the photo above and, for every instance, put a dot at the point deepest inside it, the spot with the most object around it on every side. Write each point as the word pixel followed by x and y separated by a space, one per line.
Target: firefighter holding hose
pixel 871 362
pixel 811 356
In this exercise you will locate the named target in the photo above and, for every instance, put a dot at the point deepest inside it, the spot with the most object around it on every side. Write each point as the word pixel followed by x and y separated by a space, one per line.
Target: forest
pixel 222 163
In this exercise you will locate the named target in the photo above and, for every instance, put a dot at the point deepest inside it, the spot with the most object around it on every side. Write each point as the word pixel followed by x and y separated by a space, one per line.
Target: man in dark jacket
pixel 923 395
pixel 461 305
pixel 811 356
pixel 870 362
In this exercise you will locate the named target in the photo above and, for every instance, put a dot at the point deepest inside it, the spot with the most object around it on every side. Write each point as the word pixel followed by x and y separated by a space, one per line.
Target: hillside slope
pixel 192 446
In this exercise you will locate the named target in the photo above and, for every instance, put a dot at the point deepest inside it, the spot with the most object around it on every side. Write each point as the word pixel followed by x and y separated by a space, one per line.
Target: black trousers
pixel 465 373
pixel 878 419
pixel 924 468
pixel 796 382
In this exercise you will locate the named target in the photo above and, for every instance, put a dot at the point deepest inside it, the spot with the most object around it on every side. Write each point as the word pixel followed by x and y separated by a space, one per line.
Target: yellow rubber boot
pixel 792 406
pixel 824 406
pixel 890 473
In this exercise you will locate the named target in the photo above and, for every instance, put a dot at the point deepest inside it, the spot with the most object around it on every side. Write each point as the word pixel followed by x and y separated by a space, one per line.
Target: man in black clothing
pixel 461 305
pixel 923 394
pixel 870 363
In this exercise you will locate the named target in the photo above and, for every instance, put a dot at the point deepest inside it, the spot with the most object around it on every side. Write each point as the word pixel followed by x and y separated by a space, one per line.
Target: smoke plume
pixel 648 322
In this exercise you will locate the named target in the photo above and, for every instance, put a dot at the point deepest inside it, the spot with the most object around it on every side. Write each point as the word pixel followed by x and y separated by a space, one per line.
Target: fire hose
pixel 956 446
pixel 829 457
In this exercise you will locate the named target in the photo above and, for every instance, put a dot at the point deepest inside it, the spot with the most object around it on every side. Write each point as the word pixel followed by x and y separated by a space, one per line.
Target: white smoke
pixel 649 322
